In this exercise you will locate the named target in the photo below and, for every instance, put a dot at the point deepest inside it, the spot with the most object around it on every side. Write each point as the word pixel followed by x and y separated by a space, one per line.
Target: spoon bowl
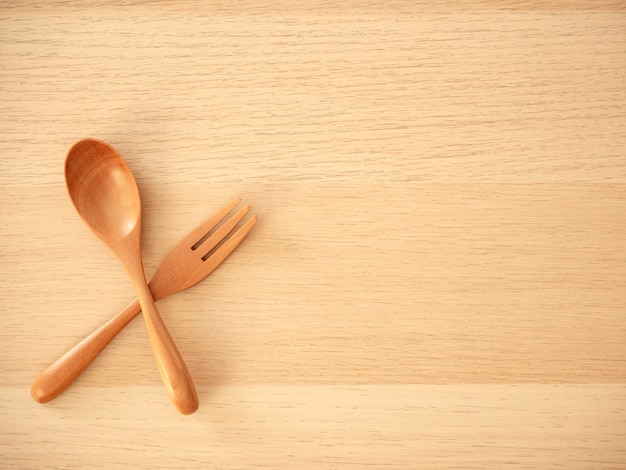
pixel 103 189
pixel 105 195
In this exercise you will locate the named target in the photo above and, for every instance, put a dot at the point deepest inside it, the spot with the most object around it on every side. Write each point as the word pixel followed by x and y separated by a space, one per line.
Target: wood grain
pixel 438 275
pixel 454 426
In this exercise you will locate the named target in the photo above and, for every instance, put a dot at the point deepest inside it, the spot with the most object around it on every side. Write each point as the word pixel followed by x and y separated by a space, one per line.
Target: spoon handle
pixel 172 367
pixel 62 372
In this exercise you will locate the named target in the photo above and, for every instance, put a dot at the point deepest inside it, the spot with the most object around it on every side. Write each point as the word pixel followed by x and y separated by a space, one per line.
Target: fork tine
pixel 198 234
pixel 228 246
pixel 207 264
pixel 212 241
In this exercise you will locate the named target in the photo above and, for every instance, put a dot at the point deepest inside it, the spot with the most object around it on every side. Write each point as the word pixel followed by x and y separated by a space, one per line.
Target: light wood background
pixel 438 276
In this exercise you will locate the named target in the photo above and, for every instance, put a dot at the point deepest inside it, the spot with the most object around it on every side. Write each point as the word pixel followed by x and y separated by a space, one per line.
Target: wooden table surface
pixel 438 275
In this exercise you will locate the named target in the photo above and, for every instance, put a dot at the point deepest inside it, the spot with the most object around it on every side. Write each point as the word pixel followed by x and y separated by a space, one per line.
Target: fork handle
pixel 62 372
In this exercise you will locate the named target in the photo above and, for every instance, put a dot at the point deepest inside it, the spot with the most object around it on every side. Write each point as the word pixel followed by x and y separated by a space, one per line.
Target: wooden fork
pixel 185 265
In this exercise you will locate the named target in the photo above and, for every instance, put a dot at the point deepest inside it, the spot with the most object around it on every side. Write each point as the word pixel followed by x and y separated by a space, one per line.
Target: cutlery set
pixel 105 195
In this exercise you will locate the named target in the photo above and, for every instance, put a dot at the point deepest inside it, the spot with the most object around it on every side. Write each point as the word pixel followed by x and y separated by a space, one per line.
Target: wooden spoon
pixel 105 195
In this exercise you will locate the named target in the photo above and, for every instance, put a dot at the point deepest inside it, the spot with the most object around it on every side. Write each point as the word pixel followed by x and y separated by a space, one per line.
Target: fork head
pixel 196 255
